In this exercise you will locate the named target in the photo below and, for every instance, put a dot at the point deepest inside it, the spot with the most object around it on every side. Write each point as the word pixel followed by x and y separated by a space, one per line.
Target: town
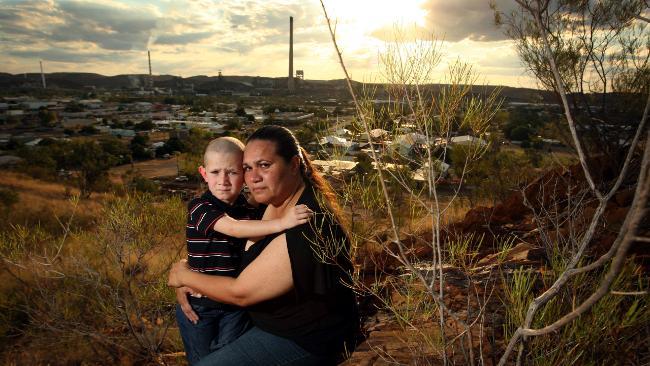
pixel 147 128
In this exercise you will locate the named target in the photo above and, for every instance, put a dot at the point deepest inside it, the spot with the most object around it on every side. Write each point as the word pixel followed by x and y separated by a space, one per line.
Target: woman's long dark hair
pixel 287 146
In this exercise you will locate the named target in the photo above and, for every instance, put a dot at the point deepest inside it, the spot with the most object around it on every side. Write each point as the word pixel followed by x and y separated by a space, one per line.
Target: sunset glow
pixel 244 37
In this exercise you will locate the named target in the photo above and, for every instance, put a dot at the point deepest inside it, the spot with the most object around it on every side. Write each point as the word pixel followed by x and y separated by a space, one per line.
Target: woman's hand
pixel 176 273
pixel 181 297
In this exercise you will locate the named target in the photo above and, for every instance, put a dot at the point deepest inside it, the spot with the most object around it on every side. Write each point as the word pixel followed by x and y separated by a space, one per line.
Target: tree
pixel 594 56
pixel 89 130
pixel 523 119
pixel 174 144
pixel 73 107
pixel 117 149
pixel 46 118
pixel 496 174
pixel 520 133
pixel 138 147
pixel 408 68
pixel 91 163
pixel 240 111
pixel 145 125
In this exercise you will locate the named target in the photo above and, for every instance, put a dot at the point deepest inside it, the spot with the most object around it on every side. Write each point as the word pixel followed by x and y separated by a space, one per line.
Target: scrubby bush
pixel 96 295
pixel 144 185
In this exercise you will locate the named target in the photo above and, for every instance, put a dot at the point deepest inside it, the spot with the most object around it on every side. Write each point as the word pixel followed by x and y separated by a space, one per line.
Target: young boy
pixel 214 222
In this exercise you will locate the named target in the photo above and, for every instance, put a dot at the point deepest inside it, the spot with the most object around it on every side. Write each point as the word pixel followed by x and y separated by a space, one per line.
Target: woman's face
pixel 270 179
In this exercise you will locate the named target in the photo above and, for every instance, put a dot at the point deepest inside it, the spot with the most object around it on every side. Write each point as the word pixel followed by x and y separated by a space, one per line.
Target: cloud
pixel 268 22
pixel 185 38
pixel 25 19
pixel 237 36
pixel 62 55
pixel 237 20
pixel 115 18
pixel 109 27
pixel 452 21
pixel 464 19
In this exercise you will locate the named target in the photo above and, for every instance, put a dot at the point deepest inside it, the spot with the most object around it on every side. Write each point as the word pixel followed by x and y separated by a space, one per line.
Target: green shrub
pixel 144 185
pixel 8 198
pixel 610 333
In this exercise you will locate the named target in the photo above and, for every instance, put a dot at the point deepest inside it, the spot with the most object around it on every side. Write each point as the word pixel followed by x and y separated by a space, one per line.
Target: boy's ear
pixel 203 173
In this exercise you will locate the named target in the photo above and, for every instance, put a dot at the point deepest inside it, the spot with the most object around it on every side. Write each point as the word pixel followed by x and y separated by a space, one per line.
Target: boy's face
pixel 224 175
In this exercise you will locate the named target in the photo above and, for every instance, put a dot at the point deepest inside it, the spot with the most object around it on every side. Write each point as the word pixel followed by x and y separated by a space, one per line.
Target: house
pixel 15 112
pixel 91 103
pixel 79 122
pixel 33 142
pixel 142 106
pixel 336 142
pixel 441 168
pixel 343 132
pixel 291 117
pixel 385 166
pixel 338 146
pixel 376 134
pixel 406 143
pixel 334 166
pixel 36 104
pixel 467 140
pixel 121 132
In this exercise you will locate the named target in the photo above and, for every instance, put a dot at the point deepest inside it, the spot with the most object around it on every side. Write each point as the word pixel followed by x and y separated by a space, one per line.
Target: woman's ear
pixel 295 164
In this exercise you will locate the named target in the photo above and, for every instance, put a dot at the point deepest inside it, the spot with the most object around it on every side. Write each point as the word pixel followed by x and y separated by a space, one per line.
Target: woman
pixel 292 284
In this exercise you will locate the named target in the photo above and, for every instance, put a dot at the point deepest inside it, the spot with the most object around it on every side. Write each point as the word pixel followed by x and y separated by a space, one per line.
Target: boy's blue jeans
pixel 215 329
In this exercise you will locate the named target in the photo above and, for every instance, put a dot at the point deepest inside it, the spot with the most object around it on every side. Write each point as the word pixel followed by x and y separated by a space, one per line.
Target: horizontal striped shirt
pixel 209 251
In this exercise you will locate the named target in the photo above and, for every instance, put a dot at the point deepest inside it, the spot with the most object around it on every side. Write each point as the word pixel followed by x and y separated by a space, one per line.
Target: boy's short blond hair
pixel 224 145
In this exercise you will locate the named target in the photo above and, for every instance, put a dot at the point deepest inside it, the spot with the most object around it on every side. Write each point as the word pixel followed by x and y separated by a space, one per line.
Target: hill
pixel 219 84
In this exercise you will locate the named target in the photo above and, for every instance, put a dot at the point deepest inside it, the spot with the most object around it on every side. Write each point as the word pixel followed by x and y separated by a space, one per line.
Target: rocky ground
pixel 532 219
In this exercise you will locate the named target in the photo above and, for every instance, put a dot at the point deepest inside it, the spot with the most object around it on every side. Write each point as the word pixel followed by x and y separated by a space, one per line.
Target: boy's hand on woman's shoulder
pixel 298 215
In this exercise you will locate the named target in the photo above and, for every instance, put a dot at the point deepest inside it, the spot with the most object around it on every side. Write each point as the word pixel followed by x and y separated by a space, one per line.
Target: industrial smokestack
pixel 42 74
pixel 149 80
pixel 290 83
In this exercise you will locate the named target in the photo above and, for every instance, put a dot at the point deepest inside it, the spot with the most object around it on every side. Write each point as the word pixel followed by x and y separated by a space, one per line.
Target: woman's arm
pixel 256 228
pixel 267 277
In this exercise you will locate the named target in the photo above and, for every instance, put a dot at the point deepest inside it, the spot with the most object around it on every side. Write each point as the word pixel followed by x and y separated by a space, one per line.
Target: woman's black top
pixel 320 312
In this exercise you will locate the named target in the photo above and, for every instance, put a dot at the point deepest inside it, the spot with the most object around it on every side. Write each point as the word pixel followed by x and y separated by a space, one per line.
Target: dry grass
pixel 104 290
pixel 148 169
pixel 454 211
pixel 45 203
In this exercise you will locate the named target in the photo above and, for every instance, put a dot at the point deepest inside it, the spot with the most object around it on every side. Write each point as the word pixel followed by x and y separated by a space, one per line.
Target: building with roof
pixel 466 140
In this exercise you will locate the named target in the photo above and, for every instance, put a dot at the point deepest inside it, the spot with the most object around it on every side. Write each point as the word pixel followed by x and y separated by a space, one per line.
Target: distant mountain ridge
pixel 211 84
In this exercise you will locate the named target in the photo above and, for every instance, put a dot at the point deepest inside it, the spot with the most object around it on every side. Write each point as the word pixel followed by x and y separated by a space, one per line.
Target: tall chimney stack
pixel 149 80
pixel 42 74
pixel 290 82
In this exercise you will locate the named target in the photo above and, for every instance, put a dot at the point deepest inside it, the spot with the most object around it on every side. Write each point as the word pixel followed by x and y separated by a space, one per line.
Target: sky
pixel 250 37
